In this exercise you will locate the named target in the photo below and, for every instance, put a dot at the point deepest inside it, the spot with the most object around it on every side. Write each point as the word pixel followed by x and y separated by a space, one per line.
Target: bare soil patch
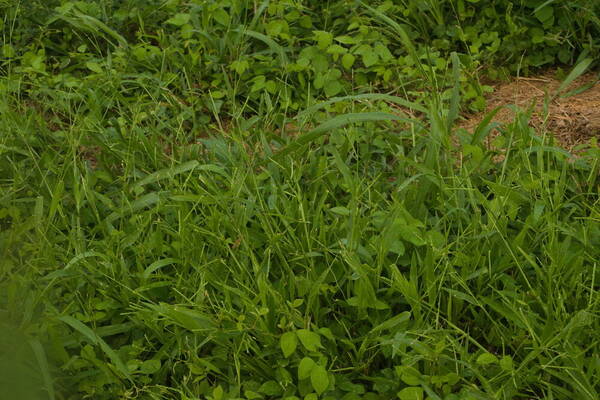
pixel 572 120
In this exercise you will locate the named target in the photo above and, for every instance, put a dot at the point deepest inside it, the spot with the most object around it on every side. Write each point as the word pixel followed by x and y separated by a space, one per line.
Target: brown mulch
pixel 572 120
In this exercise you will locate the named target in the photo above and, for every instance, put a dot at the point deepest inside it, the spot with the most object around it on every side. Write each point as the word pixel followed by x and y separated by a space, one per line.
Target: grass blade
pixel 577 71
pixel 334 123
pixel 90 335
pixel 40 356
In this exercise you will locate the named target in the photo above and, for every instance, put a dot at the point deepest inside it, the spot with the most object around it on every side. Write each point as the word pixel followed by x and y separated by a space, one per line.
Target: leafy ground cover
pixel 269 200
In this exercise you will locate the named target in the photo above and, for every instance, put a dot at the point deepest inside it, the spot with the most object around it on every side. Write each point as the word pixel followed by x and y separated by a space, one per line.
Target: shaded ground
pixel 573 118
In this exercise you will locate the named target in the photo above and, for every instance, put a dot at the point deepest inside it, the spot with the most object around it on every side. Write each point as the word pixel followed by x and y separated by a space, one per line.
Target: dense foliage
pixel 191 209
pixel 240 57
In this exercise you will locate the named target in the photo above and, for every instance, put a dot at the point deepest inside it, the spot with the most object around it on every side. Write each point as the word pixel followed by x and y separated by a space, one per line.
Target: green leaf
pixel 95 67
pixel 411 393
pixel 271 388
pixel 327 333
pixel 218 393
pixel 324 39
pixel 348 60
pixel 506 363
pixel 305 367
pixel 336 49
pixel 410 233
pixel 340 211
pixel 288 343
pixel 310 340
pixel 370 58
pixel 179 19
pixel 346 39
pixel 149 367
pixel 320 63
pixel 221 16
pixel 486 359
pixel 319 379
pixel 332 87
pixel 383 52
pixel 544 14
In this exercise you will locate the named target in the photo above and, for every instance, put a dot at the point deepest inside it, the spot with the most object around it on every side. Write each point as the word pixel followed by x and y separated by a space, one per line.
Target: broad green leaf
pixel 409 375
pixel 344 39
pixel 218 393
pixel 310 340
pixel 288 343
pixel 319 379
pixel 370 58
pixel 221 16
pixel 383 52
pixel 179 19
pixel 506 363
pixel 271 388
pixel 93 66
pixel 348 60
pixel 332 87
pixel 486 359
pixel 336 49
pixel 544 14
pixel 305 367
pixel 324 39
pixel 411 393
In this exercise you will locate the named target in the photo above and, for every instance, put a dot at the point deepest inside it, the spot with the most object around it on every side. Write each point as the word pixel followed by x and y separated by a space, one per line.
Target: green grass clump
pixel 175 223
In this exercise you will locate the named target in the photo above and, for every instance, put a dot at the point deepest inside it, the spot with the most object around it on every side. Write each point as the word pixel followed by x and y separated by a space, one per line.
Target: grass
pixel 150 254
pixel 160 275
